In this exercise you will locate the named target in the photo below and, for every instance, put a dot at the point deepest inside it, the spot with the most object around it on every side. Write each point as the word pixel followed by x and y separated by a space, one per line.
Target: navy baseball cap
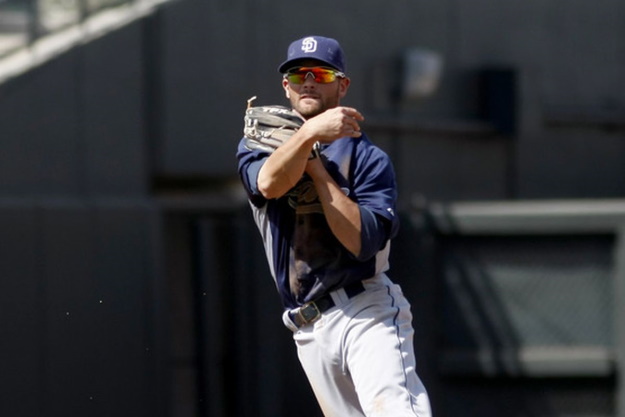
pixel 326 50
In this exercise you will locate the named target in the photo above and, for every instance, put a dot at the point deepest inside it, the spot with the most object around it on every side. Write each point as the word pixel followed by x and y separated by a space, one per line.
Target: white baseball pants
pixel 359 356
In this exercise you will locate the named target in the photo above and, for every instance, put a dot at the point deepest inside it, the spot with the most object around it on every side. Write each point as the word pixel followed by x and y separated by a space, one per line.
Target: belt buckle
pixel 309 312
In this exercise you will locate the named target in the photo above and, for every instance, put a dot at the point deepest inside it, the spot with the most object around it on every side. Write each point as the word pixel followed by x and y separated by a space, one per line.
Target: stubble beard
pixel 316 107
pixel 309 111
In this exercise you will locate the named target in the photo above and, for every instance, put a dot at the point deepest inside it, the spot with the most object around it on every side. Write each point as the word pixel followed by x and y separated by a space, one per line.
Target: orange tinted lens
pixel 320 75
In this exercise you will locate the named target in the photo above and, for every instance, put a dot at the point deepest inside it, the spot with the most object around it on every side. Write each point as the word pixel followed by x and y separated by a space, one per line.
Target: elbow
pixel 268 185
pixel 265 190
pixel 268 190
pixel 272 187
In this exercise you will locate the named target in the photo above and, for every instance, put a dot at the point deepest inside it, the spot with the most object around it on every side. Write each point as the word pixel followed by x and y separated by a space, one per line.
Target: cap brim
pixel 292 63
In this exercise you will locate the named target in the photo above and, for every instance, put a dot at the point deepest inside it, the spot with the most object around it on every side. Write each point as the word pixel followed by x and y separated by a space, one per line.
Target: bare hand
pixel 335 123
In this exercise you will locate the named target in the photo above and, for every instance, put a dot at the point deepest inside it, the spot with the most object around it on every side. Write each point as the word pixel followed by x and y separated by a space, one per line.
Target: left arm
pixel 342 214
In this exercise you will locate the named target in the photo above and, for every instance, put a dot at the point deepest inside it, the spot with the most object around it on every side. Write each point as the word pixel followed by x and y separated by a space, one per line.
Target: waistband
pixel 311 311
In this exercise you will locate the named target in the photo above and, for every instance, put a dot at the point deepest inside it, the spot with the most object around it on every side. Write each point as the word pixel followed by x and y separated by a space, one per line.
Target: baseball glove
pixel 268 127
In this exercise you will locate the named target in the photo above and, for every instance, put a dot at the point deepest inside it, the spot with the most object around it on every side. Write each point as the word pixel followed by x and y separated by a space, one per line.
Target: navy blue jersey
pixel 305 258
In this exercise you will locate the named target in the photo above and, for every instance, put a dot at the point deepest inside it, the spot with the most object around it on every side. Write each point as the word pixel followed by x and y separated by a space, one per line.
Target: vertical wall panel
pixel 111 112
pixel 79 296
pixel 40 147
pixel 70 306
pixel 202 98
pixel 125 278
pixel 22 309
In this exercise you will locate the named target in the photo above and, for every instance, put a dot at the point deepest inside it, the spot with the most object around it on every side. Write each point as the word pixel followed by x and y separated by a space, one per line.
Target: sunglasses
pixel 320 75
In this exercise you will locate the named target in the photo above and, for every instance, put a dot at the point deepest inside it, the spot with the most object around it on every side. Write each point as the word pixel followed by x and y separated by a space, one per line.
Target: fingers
pixel 336 123
pixel 353 113
pixel 351 117
pixel 355 134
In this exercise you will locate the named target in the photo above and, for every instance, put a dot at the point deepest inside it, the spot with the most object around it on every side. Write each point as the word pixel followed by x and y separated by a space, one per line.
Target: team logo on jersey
pixel 304 198
pixel 309 45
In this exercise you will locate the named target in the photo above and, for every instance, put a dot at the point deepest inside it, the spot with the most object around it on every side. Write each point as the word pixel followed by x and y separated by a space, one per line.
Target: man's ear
pixel 343 86
pixel 285 85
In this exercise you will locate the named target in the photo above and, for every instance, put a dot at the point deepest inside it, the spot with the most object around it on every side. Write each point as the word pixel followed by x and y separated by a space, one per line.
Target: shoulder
pixel 368 153
pixel 362 146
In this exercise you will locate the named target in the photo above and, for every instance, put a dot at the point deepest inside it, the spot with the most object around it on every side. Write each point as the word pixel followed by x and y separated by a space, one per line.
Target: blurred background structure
pixel 132 280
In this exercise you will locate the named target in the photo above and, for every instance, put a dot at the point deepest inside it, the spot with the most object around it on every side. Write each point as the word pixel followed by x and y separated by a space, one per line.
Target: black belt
pixel 311 311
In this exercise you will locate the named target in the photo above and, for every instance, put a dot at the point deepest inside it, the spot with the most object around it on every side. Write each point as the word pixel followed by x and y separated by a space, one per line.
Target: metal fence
pixel 531 301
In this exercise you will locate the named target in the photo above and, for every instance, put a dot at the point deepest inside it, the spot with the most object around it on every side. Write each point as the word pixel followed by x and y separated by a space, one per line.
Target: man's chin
pixel 308 108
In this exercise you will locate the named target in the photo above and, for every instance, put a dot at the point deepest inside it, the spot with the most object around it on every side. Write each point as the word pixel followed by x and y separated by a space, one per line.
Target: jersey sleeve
pixel 250 162
pixel 376 193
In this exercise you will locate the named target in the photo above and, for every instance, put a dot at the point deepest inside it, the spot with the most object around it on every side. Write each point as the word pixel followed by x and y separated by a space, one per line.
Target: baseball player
pixel 324 203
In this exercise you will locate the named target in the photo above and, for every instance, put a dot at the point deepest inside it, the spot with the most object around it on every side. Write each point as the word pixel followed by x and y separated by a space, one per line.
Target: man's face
pixel 311 98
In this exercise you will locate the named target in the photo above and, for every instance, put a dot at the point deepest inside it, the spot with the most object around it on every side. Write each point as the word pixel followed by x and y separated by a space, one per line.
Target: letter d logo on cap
pixel 309 45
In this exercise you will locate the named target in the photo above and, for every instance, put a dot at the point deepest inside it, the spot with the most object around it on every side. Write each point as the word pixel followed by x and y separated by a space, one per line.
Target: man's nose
pixel 309 79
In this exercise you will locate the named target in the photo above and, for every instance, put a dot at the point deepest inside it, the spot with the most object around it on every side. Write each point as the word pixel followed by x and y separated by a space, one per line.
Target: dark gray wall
pixel 80 297
pixel 530 297
pixel 566 56
pixel 165 96
pixel 76 125
pixel 81 293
